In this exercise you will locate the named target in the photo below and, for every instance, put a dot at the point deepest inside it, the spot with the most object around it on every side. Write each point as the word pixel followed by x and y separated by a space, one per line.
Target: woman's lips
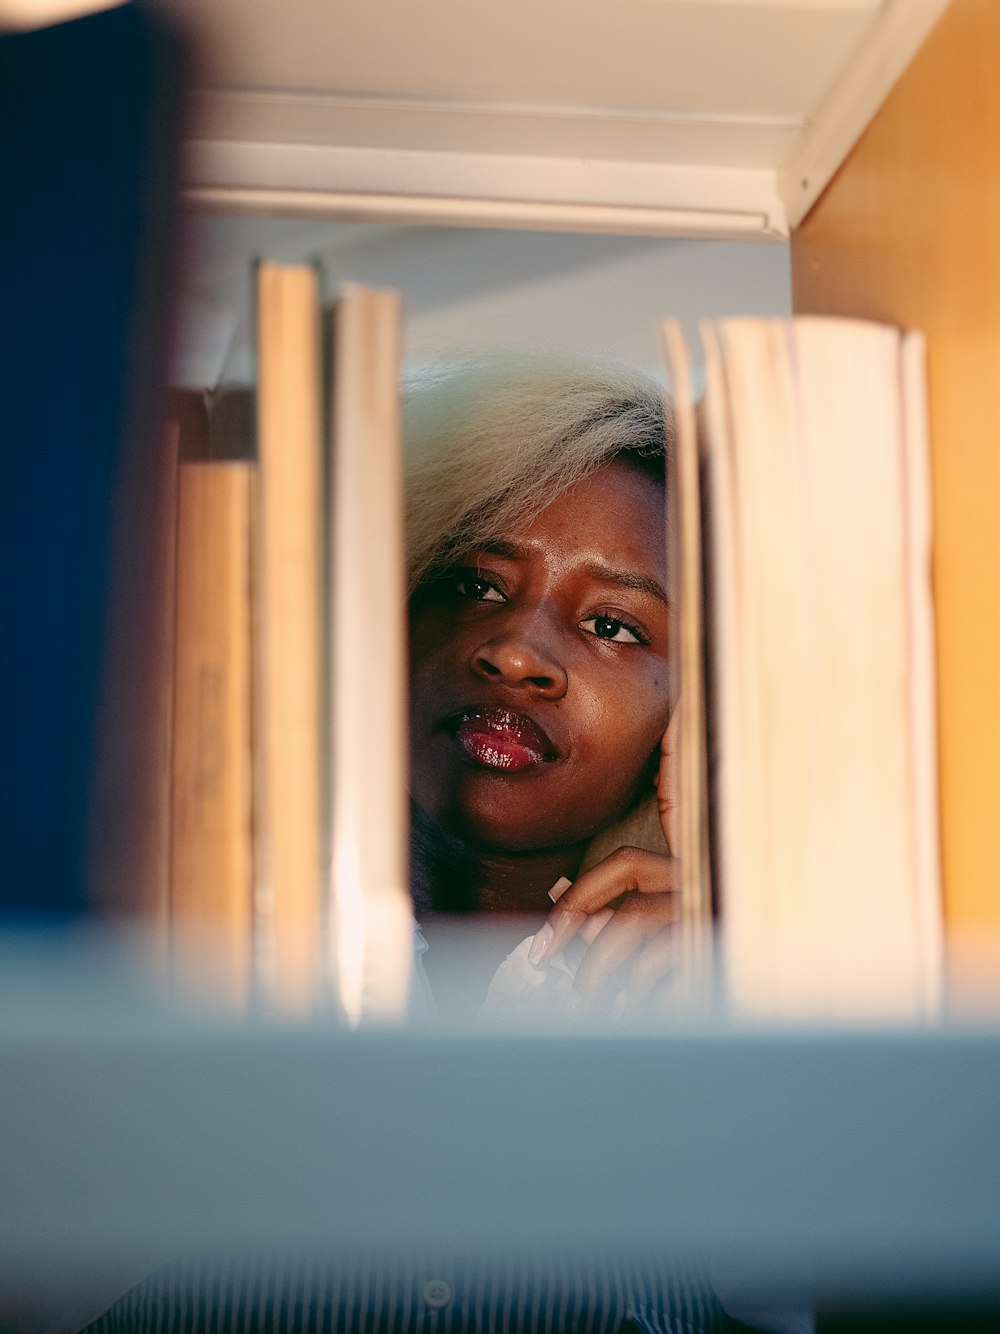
pixel 497 738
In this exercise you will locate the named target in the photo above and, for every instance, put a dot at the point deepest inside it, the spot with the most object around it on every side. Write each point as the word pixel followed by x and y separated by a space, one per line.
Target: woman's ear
pixel 666 778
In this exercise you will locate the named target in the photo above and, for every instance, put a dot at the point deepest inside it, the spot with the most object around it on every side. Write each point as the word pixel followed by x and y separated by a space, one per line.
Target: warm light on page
pixel 372 941
pixel 39 13
pixel 349 932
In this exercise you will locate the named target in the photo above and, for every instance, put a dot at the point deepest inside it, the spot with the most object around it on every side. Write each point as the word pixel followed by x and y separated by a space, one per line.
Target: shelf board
pixel 685 117
pixel 867 1163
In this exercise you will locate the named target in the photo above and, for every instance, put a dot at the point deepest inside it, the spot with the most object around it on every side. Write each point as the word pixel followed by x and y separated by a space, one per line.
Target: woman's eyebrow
pixel 641 583
pixel 596 570
pixel 508 550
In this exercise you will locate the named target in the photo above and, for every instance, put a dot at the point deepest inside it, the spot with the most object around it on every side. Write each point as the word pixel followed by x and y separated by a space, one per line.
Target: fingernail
pixel 539 946
pixel 559 889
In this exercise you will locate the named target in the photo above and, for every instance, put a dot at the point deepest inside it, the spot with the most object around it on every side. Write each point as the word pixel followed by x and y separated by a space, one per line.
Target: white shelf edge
pixel 487 190
pixel 427 210
pixel 894 39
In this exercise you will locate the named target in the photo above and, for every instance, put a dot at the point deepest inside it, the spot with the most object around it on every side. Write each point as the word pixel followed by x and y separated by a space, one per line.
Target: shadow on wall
pixel 464 286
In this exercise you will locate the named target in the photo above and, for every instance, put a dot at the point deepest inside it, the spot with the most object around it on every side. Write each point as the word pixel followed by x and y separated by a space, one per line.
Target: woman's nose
pixel 522 656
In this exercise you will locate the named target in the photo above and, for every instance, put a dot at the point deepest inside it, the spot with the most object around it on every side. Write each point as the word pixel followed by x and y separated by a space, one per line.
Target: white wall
pixel 466 287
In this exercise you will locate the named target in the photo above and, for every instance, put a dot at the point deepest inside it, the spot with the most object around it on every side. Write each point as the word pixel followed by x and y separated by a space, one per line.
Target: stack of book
pixel 806 776
pixel 287 854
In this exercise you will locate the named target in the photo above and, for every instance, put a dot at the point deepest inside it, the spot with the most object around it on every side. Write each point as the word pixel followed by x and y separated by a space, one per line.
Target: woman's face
pixel 539 671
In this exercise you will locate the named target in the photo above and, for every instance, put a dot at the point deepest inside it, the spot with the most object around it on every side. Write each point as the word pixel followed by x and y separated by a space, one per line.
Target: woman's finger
pixel 640 919
pixel 654 964
pixel 625 870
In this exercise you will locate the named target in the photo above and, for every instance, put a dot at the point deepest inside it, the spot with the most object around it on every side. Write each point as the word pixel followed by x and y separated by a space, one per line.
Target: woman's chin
pixel 510 828
pixel 532 810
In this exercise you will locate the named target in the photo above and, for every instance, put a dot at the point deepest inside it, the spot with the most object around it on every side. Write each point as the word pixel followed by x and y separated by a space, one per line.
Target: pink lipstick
pixel 497 738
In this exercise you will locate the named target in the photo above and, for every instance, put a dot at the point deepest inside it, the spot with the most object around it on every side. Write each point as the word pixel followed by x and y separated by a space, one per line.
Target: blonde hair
pixel 493 440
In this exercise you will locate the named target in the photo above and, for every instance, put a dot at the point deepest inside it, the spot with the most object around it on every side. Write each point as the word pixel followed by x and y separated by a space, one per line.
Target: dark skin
pixel 540 695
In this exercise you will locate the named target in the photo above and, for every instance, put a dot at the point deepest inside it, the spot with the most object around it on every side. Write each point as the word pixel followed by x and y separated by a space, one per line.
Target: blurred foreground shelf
pixel 865 1164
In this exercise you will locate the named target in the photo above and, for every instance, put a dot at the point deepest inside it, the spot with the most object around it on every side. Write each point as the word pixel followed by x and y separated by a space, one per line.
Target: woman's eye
pixel 477 589
pixel 610 627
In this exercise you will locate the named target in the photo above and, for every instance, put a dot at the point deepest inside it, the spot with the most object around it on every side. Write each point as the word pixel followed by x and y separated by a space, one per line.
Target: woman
pixel 540 633
pixel 540 639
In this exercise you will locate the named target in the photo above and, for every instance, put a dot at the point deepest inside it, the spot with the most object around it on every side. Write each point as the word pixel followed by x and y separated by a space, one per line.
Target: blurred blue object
pixel 89 154
pixel 852 1164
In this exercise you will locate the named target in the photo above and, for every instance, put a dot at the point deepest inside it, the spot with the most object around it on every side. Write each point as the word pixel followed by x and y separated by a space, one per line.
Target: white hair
pixel 493 440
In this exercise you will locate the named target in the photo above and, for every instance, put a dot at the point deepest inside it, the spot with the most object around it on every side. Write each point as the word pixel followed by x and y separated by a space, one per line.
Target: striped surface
pixel 420 1295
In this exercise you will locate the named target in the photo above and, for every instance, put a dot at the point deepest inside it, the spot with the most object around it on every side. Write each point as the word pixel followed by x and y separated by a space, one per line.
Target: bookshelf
pixel 862 130
pixel 881 1173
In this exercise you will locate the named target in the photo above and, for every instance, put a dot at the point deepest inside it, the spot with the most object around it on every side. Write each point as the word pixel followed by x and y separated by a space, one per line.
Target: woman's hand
pixel 624 908
pixel 631 946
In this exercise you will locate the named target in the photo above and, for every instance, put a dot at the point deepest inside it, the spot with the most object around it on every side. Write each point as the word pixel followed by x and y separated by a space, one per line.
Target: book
pixel 155 796
pixel 815 761
pixel 211 852
pixel 370 919
pixel 287 568
pixel 686 758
